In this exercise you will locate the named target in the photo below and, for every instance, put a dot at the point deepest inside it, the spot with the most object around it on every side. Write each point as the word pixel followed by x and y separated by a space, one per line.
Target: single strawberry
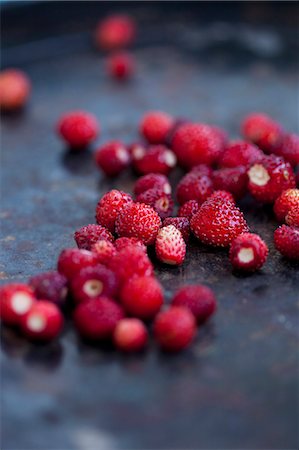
pixel 152 180
pixel 194 187
pixel 181 223
pixel 109 207
pixel 78 129
pixel 157 159
pixel 51 286
pixel 130 335
pixel 286 240
pixel 262 131
pixel 170 246
pixel 248 252
pixel 199 299
pixel 93 282
pixel 115 31
pixel 16 299
pixel 156 198
pixel 231 179
pixel 112 158
pixel 120 65
pixel 15 88
pixel 72 260
pixel 283 203
pixel 240 153
pixel 43 322
pixel 142 297
pixel 86 236
pixel 155 126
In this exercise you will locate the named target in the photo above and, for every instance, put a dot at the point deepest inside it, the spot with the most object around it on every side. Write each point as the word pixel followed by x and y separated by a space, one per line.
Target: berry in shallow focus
pixel 286 240
pixel 51 286
pixel 112 158
pixel 78 129
pixel 170 246
pixel 114 32
pixel 130 335
pixel 16 299
pixel 15 88
pixel 175 328
pixel 88 235
pixel 152 180
pixel 120 66
pixel 43 322
pixel 130 261
pixel 93 282
pixel 188 209
pixel 156 198
pixel 124 242
pixel 194 187
pixel 289 149
pixel 285 202
pixel 140 221
pixel 155 126
pixel 109 207
pixel 103 250
pixel 97 318
pixel 199 299
pixel 262 131
pixel 181 223
pixel 72 260
pixel 269 178
pixel 240 153
pixel 231 179
pixel 248 252
pixel 155 159
pixel 142 297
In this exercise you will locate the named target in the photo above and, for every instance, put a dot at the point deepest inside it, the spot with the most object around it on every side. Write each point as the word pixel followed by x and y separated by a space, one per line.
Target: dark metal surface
pixel 237 386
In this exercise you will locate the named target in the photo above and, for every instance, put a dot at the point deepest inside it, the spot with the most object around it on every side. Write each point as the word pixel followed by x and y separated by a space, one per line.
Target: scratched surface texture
pixel 237 387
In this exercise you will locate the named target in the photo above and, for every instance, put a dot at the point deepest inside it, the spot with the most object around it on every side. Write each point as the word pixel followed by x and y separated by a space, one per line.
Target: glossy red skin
pixel 188 209
pixel 286 240
pixel 170 246
pixel 231 179
pixel 199 299
pixel 175 328
pixel 130 335
pixel 155 126
pixel 110 206
pixel 99 273
pixel 52 316
pixel 112 158
pixel 96 319
pixel 156 198
pixel 256 244
pixel 130 261
pixel 194 187
pixel 154 159
pixel 142 297
pixel 15 88
pixel 152 180
pixel 51 286
pixel 287 199
pixel 115 32
pixel 78 129
pixel 72 260
pixel 120 66
pixel 181 223
pixel 262 131
pixel 88 235
pixel 7 314
pixel 240 153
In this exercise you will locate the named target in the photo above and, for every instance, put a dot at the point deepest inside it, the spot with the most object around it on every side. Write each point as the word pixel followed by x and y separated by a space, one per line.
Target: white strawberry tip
pixel 246 255
pixel 36 322
pixel 93 288
pixel 258 175
pixel 21 303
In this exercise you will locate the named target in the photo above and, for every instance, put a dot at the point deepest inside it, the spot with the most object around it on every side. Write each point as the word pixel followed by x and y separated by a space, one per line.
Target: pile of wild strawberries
pixel 109 281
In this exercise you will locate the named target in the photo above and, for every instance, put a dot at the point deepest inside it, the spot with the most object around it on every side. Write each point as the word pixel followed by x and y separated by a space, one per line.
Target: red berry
pixel 130 335
pixel 86 236
pixel 175 328
pixel 175 126
pixel 197 144
pixel 152 180
pixel 78 129
pixel 286 240
pixel 202 170
pixel 15 88
pixel 109 206
pixel 289 149
pixel 42 322
pixel 292 217
pixel 51 286
pixel 114 32
pixel 233 180
pixel 188 209
pixel 218 223
pixel 222 134
pixel 130 261
pixel 140 221
pixel 155 197
pixel 269 178
pixel 170 246
pixel 194 187
pixel 262 131
pixel 142 297
pixel 181 223
pixel 120 65
pixel 16 299
pixel 155 126
pixel 199 299
pixel 124 242
pixel 97 318
pixel 222 195
pixel 103 250
pixel 112 158
pixel 240 153
pixel 93 282
pixel 157 158
pixel 285 202
pixel 72 260
pixel 248 252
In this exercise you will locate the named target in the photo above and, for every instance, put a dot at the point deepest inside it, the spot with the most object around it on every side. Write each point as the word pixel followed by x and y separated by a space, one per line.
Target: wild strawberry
pixel 152 180
pixel 43 322
pixel 194 187
pixel 248 252
pixel 51 286
pixel 109 206
pixel 222 195
pixel 142 297
pixel 262 131
pixel 286 240
pixel 112 158
pixel 114 32
pixel 124 242
pixel 157 158
pixel 130 335
pixel 16 299
pixel 86 236
pixel 157 199
pixel 130 261
pixel 202 170
pixel 231 179
pixel 285 202
pixel 181 223
pixel 120 65
pixel 240 153
pixel 97 318
pixel 170 246
pixel 175 328
pixel 72 260
pixel 289 149
pixel 93 282
pixel 269 178
pixel 218 223
pixel 78 129
pixel 292 217
pixel 155 126
pixel 199 299
pixel 188 209
pixel 15 88
pixel 138 220
pixel 196 144
pixel 103 250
